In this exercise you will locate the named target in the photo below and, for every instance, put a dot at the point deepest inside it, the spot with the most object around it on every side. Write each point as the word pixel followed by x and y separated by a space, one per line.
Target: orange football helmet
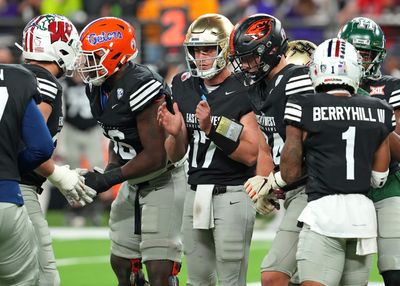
pixel 107 44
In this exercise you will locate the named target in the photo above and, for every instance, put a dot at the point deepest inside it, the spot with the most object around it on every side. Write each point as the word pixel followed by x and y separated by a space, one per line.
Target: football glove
pixel 266 205
pixel 102 181
pixel 71 184
pixel 258 186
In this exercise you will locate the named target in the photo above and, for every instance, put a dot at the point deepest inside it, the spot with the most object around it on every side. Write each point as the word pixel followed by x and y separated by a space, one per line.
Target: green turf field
pixel 85 263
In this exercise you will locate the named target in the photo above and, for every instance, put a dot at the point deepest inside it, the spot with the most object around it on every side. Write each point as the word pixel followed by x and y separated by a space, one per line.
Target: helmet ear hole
pixel 116 56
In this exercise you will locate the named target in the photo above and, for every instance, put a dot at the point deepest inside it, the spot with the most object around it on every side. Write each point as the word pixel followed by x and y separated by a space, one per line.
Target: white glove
pixel 264 206
pixel 260 189
pixel 71 185
pixel 253 186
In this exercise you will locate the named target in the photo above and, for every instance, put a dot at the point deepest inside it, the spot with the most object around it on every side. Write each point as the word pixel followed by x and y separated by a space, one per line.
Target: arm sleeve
pixel 36 136
pixel 294 111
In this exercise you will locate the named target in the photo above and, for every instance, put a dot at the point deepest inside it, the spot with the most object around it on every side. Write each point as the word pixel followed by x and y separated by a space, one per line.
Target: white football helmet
pixel 336 62
pixel 52 38
pixel 208 30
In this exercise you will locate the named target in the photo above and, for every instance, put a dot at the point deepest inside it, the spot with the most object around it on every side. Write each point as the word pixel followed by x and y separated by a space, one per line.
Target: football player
pixel 20 120
pixel 51 48
pixel 369 39
pixel 257 51
pixel 345 142
pixel 146 216
pixel 213 118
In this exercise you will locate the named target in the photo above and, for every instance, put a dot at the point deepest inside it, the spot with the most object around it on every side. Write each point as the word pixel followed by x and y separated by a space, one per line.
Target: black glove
pixel 102 182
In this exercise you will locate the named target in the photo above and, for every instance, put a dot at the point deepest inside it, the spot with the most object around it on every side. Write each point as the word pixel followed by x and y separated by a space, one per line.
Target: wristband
pixel 226 135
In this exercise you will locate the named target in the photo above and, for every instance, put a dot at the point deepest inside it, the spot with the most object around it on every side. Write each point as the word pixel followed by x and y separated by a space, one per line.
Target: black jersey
pixel 51 93
pixel 17 87
pixel 77 106
pixel 207 163
pixel 137 88
pixel 343 135
pixel 388 89
pixel 269 99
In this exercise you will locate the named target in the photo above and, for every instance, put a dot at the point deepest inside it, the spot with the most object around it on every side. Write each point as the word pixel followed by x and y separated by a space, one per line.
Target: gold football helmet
pixel 300 52
pixel 208 30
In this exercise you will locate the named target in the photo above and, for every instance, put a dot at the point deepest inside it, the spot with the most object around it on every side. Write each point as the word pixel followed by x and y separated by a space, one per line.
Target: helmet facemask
pixel 254 66
pixel 92 69
pixel 195 65
pixel 371 61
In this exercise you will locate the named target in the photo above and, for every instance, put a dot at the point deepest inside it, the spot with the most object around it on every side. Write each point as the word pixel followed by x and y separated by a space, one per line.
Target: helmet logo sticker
pixel 259 29
pixel 60 31
pixel 104 37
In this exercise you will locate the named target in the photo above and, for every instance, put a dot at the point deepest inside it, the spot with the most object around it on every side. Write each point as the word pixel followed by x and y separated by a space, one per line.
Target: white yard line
pixel 69 233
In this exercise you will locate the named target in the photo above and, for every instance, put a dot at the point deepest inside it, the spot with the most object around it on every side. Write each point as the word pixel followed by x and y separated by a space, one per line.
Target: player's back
pixel 343 135
pixel 17 87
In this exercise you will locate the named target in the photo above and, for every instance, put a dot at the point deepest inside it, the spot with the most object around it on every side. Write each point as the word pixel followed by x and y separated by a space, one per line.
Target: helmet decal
pixel 259 29
pixel 60 31
pixel 104 37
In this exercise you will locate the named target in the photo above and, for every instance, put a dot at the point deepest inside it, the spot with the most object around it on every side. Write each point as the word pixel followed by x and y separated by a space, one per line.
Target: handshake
pixel 265 192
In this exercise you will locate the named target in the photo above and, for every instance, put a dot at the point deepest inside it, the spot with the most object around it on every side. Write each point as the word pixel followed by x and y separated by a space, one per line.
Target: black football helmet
pixel 256 45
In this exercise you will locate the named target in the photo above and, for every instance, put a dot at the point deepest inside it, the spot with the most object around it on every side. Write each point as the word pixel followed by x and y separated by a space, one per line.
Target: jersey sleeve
pixel 145 94
pixel 394 99
pixel 294 111
pixel 299 82
pixel 49 90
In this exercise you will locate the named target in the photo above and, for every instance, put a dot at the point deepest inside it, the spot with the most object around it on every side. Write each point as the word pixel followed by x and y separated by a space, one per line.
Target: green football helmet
pixel 368 38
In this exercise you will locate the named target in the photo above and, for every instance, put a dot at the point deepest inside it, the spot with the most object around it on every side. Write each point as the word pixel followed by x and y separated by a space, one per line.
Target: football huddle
pixel 255 123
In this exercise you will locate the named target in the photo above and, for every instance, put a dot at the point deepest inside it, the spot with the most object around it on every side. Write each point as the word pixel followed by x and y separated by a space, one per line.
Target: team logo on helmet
pixel 104 37
pixel 259 29
pixel 60 31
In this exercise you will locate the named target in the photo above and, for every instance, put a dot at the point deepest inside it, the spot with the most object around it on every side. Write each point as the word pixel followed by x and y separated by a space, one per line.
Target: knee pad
pixel 391 277
pixel 137 275
pixel 173 279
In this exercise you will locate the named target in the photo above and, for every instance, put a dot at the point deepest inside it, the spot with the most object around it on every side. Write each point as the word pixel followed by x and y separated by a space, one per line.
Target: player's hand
pixel 172 123
pixel 203 114
pixel 100 181
pixel 265 205
pixel 71 185
pixel 253 186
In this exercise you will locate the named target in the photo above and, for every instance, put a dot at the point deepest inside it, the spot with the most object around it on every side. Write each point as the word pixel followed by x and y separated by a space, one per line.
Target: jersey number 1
pixel 349 136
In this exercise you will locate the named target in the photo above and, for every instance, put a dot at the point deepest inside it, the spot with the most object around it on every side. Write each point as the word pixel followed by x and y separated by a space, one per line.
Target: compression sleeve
pixel 36 136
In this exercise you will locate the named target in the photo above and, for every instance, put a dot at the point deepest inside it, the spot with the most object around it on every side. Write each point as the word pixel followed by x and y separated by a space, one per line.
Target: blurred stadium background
pixel 80 235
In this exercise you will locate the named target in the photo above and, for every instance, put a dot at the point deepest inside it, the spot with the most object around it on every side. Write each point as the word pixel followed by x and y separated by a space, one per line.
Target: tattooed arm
pixel 292 155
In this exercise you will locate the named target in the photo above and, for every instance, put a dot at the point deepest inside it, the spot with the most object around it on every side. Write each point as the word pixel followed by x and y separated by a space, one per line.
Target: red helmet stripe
pixel 337 50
